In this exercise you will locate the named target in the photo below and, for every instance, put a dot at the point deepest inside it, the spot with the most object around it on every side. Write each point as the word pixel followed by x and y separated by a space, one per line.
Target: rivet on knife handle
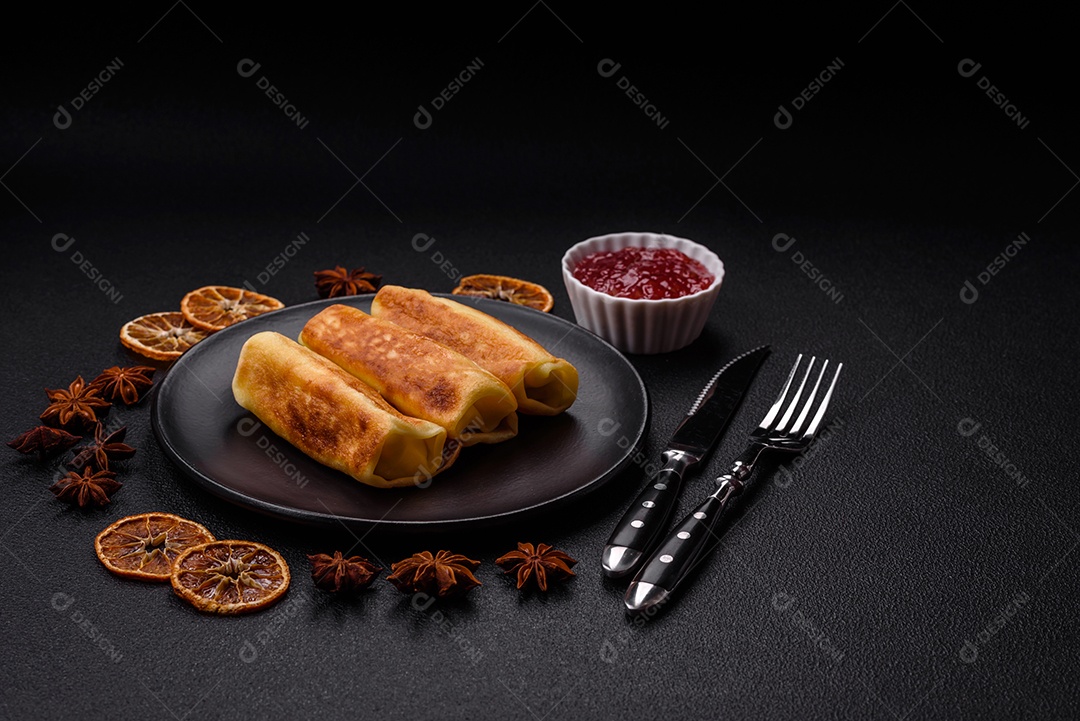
pixel 646 518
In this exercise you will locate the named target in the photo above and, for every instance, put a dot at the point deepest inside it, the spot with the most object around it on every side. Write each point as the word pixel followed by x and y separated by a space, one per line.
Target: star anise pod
pixel 540 563
pixel 444 575
pixel 75 406
pixel 124 385
pixel 339 574
pixel 44 440
pixel 105 448
pixel 338 282
pixel 89 488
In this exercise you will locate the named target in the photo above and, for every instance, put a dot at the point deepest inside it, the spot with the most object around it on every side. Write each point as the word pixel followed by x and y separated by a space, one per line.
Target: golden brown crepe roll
pixel 332 416
pixel 415 374
pixel 542 383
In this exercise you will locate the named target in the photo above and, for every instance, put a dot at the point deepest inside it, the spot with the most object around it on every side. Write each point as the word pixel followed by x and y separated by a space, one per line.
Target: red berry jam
pixel 643 273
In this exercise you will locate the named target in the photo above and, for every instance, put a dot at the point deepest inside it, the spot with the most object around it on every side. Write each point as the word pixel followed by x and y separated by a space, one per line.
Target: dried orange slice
pixel 160 336
pixel 144 546
pixel 214 307
pixel 230 577
pixel 501 287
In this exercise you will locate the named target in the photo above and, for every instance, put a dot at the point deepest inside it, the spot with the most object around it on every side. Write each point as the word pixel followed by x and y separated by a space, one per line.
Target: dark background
pixel 899 573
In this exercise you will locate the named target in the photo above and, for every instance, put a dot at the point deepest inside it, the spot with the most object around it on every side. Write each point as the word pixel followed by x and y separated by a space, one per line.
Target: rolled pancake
pixel 415 374
pixel 541 383
pixel 333 417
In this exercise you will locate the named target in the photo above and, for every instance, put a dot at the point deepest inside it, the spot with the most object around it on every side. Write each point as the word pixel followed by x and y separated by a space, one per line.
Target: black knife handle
pixel 644 522
pixel 686 545
pixel 647 516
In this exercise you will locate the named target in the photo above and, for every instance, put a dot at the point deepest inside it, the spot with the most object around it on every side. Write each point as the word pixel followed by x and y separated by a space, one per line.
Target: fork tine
pixel 811 431
pixel 795 429
pixel 770 417
pixel 783 426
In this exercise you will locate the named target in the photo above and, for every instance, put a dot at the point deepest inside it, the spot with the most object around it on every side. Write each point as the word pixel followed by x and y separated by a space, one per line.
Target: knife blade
pixel 641 526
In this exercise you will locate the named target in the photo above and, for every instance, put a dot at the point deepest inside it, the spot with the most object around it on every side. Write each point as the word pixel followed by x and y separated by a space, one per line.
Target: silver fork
pixel 786 428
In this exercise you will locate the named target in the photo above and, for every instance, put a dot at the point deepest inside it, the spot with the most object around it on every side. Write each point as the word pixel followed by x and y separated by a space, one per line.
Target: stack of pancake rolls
pixel 391 397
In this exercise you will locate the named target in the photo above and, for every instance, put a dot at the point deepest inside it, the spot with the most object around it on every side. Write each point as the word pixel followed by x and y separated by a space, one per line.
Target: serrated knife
pixel 644 522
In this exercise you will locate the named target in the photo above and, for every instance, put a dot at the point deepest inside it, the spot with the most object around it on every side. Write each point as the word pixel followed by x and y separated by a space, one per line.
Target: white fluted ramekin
pixel 637 325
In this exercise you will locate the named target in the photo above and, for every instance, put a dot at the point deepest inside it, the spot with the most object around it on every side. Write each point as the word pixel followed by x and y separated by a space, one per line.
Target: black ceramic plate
pixel 552 460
